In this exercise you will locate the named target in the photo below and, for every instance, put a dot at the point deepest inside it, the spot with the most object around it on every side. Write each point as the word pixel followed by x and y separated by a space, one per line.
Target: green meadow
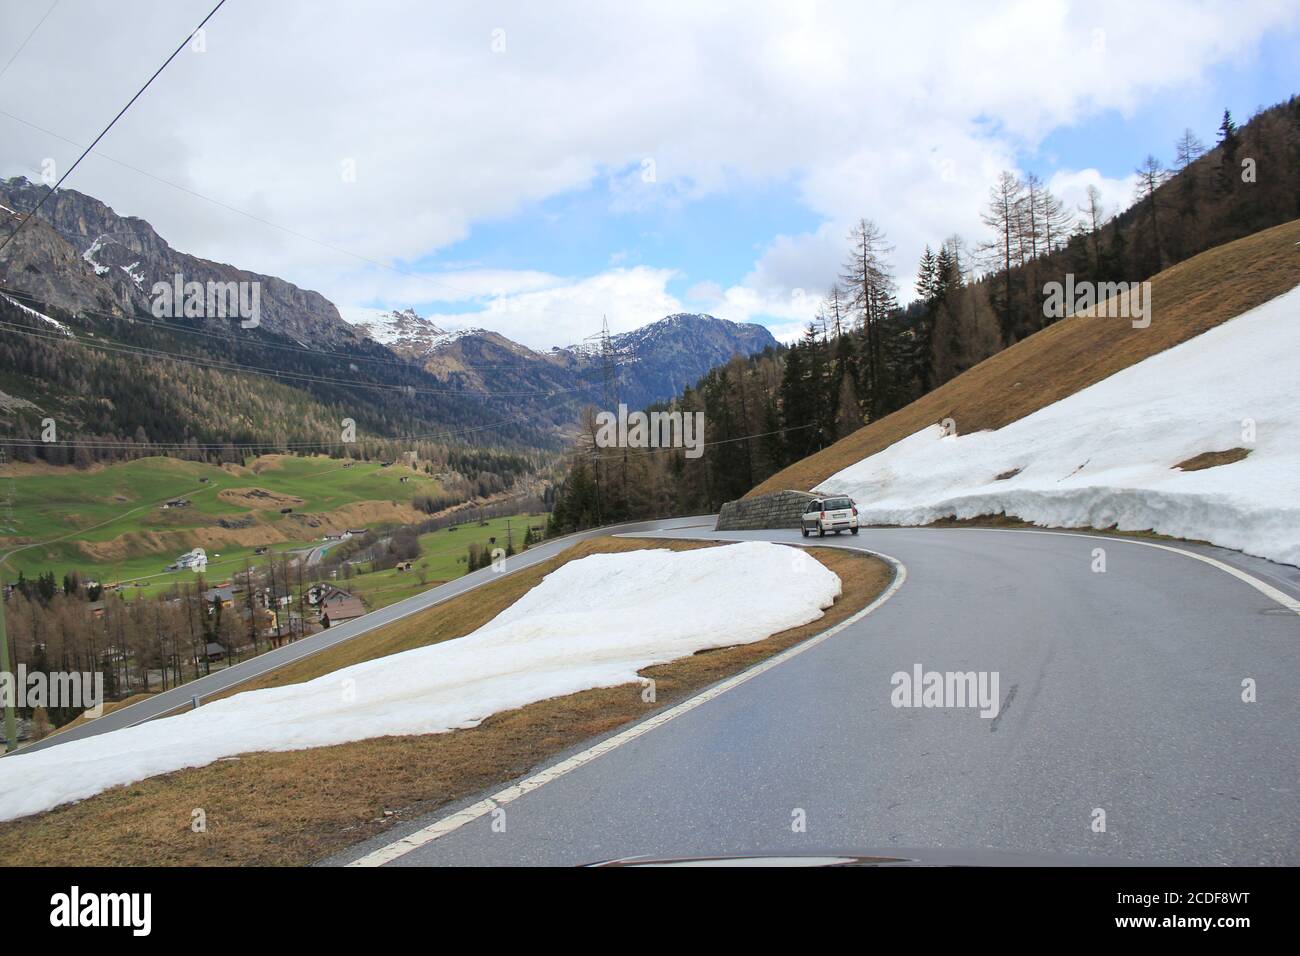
pixel 442 558
pixel 58 509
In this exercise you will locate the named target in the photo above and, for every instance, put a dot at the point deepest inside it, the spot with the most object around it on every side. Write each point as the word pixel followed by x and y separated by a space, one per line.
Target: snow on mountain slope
pixel 1105 455
pixel 63 329
pixel 594 622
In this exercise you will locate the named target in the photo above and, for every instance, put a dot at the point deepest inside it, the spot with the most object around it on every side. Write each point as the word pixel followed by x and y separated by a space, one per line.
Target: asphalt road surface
pixel 1119 691
pixel 182 697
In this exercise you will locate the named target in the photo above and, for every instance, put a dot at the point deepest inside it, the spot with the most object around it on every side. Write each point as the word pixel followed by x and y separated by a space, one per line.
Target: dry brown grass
pixel 1072 354
pixel 296 808
pixel 1212 459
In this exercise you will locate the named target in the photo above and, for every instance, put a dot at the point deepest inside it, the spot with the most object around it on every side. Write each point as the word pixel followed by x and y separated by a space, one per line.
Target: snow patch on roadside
pixel 594 622
pixel 1105 455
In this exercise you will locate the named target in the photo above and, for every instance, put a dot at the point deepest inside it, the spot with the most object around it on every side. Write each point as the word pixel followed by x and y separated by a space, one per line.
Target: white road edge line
pixel 453 822
pixel 1263 587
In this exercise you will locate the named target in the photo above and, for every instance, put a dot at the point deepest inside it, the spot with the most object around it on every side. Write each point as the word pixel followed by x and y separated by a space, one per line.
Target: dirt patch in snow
pixel 1212 459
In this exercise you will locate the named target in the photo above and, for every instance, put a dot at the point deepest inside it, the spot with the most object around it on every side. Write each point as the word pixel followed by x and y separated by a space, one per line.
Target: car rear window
pixel 835 504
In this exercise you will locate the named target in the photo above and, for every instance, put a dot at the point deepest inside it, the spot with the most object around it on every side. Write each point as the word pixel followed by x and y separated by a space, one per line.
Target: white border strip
pixel 449 824
pixel 1281 597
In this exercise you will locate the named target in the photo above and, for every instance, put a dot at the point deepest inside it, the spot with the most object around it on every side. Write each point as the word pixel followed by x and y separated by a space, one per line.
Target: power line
pixel 189 330
pixel 274 225
pixel 22 46
pixel 595 455
pixel 106 444
pixel 104 132
pixel 217 365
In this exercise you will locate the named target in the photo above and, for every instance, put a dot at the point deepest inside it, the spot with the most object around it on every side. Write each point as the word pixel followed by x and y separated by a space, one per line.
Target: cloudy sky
pixel 532 166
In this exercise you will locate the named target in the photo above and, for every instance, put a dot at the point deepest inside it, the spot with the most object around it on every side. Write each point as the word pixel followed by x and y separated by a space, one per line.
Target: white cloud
pixel 568 311
pixel 902 114
pixel 1072 187
pixel 705 293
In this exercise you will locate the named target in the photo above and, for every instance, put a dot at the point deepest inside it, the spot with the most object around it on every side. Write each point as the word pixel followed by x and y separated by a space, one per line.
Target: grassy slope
pixel 442 558
pixel 298 807
pixel 1187 299
pixel 115 512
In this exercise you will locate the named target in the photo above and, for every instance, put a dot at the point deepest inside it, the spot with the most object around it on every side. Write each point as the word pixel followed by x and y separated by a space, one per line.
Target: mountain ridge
pixel 651 361
pixel 91 272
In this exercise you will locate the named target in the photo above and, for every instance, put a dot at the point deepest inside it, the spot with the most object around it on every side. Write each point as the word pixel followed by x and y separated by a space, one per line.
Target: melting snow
pixel 89 255
pixel 1105 455
pixel 594 622
pixel 130 270
pixel 42 316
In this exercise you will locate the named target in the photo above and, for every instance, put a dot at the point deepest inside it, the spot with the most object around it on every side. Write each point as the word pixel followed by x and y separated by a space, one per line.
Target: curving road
pixel 182 697
pixel 1119 691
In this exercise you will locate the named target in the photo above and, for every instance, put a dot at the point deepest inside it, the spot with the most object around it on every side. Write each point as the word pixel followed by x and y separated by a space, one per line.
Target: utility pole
pixel 510 541
pixel 608 373
pixel 11 724
pixel 6 664
pixel 609 394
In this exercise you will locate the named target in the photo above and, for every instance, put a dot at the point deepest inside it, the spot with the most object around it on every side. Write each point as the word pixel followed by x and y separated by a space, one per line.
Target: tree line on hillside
pixel 151 642
pixel 119 389
pixel 148 643
pixel 865 356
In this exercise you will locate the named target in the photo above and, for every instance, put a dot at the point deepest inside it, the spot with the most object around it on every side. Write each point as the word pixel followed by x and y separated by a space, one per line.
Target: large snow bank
pixel 593 622
pixel 1104 455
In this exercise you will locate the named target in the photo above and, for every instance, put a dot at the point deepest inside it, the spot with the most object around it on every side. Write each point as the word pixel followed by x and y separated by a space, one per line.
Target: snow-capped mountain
pixel 80 255
pixel 652 363
pixel 83 272
pixel 407 333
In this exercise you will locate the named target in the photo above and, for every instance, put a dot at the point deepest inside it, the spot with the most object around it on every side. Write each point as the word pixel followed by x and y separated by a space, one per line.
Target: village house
pixel 226 595
pixel 318 594
pixel 267 598
pixel 196 560
pixel 344 608
pixel 212 652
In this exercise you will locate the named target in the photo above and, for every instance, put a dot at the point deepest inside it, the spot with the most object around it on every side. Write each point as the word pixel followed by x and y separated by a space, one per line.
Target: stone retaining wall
pixel 780 509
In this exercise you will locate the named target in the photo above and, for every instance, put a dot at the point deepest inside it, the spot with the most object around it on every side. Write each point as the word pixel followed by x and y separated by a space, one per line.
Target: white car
pixel 830 514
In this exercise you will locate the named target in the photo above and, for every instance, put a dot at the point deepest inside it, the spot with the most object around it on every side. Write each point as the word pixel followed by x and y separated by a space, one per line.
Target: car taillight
pixel 823 516
pixel 855 512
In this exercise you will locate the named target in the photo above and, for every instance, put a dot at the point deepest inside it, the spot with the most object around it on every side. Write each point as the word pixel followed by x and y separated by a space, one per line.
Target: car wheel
pixel 821 532
pixel 853 530
pixel 803 528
